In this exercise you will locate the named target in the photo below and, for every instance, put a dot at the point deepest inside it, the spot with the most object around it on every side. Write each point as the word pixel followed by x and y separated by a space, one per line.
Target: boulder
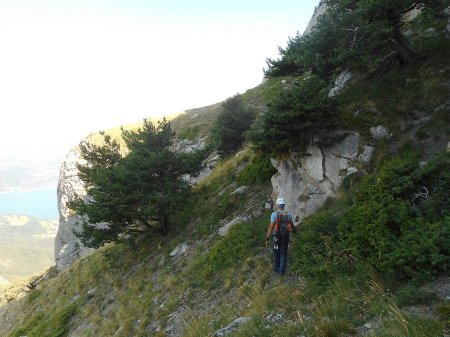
pixel 240 190
pixel 340 83
pixel 232 327
pixel 179 250
pixel 223 231
pixel 307 178
pixel 379 132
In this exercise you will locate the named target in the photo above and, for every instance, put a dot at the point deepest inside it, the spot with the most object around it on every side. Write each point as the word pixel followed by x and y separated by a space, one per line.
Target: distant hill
pixel 26 246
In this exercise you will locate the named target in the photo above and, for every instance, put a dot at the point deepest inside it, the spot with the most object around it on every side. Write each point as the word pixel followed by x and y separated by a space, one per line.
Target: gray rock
pixel 412 14
pixel 379 132
pixel 313 21
pixel 240 190
pixel 307 179
pixel 69 253
pixel 68 248
pixel 91 293
pixel 223 231
pixel 179 250
pixel 366 154
pixel 232 327
pixel 312 163
pixel 277 319
pixel 208 167
pixel 447 30
pixel 409 33
pixel 430 32
pixel 340 83
pixel 188 146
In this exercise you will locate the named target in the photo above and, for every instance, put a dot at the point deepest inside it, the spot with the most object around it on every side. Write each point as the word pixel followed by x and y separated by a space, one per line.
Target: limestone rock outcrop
pixel 68 247
pixel 307 179
pixel 319 11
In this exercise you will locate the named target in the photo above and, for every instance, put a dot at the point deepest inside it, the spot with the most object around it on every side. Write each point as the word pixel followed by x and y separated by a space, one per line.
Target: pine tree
pixel 135 193
pixel 355 34
pixel 295 113
pixel 234 119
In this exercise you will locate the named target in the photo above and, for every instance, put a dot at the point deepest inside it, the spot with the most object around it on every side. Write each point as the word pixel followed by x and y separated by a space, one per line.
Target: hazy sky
pixel 68 68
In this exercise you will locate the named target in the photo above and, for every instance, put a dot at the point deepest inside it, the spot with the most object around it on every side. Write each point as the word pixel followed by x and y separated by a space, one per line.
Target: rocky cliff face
pixel 307 179
pixel 68 247
pixel 320 10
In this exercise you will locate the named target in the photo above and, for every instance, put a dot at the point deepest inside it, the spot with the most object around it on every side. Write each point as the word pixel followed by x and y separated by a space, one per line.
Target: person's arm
pixel 270 230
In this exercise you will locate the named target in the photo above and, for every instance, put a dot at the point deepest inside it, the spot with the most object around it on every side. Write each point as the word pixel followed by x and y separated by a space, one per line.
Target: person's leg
pixel 283 258
pixel 276 257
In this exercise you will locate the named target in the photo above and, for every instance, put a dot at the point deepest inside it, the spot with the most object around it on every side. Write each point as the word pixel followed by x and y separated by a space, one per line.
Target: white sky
pixel 68 68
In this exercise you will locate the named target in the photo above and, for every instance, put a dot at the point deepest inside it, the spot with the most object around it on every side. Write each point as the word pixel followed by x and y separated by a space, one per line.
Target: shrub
pixel 398 222
pixel 394 225
pixel 260 169
pixel 312 246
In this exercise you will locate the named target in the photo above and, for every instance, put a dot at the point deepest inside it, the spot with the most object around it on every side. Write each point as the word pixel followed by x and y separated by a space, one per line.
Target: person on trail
pixel 281 225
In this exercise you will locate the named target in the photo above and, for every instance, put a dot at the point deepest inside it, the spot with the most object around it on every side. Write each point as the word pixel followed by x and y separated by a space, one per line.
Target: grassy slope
pixel 142 291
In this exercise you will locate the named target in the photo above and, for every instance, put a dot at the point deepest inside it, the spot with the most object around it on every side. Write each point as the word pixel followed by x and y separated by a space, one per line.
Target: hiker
pixel 281 224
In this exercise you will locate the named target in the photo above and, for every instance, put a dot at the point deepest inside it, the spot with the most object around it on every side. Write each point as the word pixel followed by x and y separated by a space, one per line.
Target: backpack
pixel 283 225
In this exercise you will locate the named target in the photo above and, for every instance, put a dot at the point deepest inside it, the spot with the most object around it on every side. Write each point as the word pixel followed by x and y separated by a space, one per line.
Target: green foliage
pixel 135 192
pixel 398 222
pixel 55 324
pixel 299 109
pixel 336 328
pixel 410 294
pixel 351 34
pixel 189 133
pixel 259 169
pixel 312 246
pixel 233 120
pixel 411 92
pixel 230 250
pixel 33 295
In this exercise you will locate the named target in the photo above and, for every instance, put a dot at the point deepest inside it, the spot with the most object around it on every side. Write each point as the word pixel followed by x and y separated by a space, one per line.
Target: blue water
pixel 40 204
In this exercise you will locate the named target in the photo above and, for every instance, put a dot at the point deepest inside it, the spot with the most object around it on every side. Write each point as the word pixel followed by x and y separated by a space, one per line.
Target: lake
pixel 40 203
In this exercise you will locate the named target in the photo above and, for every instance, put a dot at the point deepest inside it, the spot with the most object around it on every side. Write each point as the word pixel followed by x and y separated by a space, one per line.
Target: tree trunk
pixel 400 44
pixel 164 225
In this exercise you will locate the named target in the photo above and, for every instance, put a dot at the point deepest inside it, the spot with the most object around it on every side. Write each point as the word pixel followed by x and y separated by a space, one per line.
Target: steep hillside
pixel 369 181
pixel 195 282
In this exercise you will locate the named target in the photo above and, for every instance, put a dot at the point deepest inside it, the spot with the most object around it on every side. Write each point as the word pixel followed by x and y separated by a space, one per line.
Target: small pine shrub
pixel 395 224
